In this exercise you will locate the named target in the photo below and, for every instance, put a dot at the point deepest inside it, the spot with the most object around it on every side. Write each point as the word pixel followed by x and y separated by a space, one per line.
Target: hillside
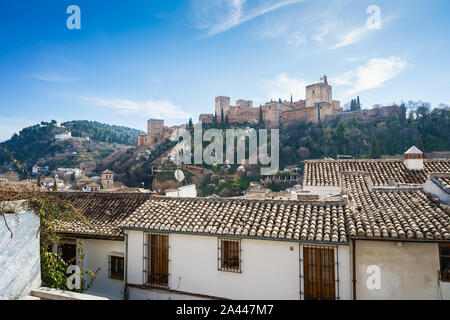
pixel 91 141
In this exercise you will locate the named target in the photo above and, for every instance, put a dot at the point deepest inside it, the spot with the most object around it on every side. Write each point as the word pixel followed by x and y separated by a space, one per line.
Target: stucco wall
pixel 407 272
pixel 20 269
pixel 431 187
pixel 96 256
pixel 270 269
pixel 322 191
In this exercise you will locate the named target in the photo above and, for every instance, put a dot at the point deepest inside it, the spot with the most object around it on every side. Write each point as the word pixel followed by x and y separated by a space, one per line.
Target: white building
pixel 68 171
pixel 63 136
pixel 188 191
pixel 152 247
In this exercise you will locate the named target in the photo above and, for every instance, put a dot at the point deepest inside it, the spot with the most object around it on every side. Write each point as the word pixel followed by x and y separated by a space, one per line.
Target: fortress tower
pixel 319 93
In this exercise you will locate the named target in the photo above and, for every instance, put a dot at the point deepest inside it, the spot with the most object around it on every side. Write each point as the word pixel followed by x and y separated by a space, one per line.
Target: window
pixel 68 252
pixel 157 261
pixel 229 255
pixel 116 267
pixel 319 273
pixel 444 255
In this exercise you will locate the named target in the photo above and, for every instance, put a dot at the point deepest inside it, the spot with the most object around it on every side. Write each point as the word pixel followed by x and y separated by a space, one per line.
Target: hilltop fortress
pixel 318 106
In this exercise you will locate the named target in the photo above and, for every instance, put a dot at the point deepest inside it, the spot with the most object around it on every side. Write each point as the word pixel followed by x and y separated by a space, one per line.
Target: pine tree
pixel 291 98
pixel 419 144
pixel 215 119
pixel 222 119
pixel 39 182
pixel 226 121
pixel 374 149
pixel 190 123
pixel 358 104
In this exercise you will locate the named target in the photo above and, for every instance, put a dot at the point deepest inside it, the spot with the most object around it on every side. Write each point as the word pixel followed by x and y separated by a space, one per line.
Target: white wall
pixel 323 191
pixel 270 270
pixel 431 187
pixel 20 269
pixel 407 272
pixel 183 192
pixel 96 256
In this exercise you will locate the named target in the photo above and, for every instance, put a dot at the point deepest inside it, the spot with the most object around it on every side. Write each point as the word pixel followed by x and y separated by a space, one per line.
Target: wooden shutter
pixel 319 273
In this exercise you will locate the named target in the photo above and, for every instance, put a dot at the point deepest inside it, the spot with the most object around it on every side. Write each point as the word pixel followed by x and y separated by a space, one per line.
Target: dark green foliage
pixel 103 132
pixel 35 142
pixel 419 144
pixel 374 149
pixel 353 137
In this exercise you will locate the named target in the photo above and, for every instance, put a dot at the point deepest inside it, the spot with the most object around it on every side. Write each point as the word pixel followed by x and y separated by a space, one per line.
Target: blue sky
pixel 134 60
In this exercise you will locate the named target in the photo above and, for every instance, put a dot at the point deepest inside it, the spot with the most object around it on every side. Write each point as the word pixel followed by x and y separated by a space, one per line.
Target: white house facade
pixel 382 237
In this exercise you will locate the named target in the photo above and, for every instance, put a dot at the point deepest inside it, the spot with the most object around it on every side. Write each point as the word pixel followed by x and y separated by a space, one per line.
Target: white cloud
pixel 358 34
pixel 220 16
pixel 51 77
pixel 151 108
pixel 296 39
pixel 352 37
pixel 283 86
pixel 375 73
pixel 323 32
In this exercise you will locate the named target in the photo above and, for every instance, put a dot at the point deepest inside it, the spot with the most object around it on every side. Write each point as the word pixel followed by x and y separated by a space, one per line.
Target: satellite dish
pixel 179 175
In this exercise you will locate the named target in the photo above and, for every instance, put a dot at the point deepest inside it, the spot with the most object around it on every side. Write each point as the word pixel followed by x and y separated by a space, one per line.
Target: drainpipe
pixel 354 268
pixel 125 276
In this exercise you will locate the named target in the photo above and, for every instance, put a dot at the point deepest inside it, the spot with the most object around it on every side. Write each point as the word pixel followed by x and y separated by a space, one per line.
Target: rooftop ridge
pixel 370 160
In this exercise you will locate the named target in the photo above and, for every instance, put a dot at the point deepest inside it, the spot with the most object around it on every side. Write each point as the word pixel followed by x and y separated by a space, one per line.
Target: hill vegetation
pixel 36 144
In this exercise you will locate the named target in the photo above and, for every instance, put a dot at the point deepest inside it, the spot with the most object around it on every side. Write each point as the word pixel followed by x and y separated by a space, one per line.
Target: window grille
pixel 229 255
pixel 156 260
pixel 319 273
pixel 115 267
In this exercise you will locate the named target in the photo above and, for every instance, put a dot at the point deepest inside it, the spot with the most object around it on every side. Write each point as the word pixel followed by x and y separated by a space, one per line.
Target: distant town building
pixel 36 169
pixel 63 136
pixel 156 133
pixel 188 191
pixel 69 171
pixel 91 187
pixel 107 179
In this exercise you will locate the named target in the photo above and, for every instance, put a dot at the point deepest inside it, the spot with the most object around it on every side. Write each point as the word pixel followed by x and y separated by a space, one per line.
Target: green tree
pixel 419 144
pixel 374 149
pixel 55 186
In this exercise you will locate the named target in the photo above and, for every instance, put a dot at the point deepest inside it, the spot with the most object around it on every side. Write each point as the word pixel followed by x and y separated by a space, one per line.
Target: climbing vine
pixel 51 211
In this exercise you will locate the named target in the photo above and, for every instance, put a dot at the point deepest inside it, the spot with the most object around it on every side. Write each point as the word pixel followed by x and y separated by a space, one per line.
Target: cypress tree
pixel 374 149
pixel 419 144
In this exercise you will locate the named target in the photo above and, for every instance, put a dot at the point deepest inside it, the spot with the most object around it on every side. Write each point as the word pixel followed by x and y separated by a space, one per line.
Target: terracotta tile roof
pixel 104 211
pixel 327 172
pixel 393 214
pixel 287 220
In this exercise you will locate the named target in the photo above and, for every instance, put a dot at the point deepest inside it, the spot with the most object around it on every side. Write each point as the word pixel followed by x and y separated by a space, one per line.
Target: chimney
pixel 413 159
